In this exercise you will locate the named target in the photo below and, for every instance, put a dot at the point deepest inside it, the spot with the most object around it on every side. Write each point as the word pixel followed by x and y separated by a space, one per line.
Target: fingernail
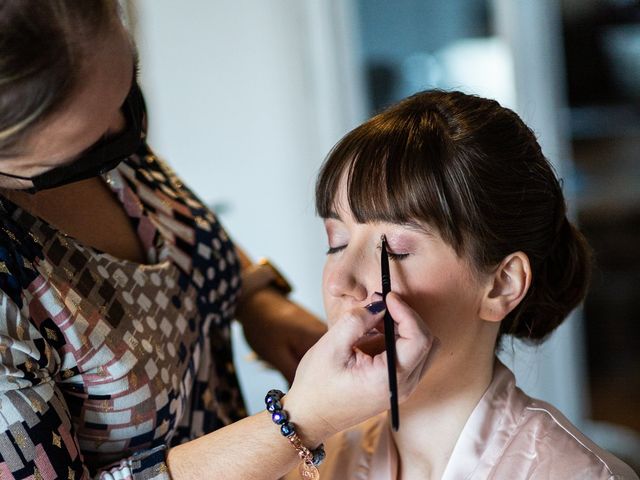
pixel 376 307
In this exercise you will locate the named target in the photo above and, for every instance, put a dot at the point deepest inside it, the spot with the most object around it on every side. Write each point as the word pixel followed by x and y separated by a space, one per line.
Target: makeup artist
pixel 117 287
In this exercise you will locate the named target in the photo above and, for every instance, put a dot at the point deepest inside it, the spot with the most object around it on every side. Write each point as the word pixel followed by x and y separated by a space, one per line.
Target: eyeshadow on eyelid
pixel 403 243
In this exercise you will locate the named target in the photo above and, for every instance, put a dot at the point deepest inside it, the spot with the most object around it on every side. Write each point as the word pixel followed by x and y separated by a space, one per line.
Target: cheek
pixel 326 275
pixel 443 297
pixel 328 300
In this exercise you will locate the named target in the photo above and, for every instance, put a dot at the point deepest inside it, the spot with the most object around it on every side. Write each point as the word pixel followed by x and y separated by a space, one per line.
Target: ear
pixel 506 287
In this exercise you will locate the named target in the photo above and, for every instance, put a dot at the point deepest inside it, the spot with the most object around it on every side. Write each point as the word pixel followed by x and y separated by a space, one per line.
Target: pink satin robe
pixel 509 436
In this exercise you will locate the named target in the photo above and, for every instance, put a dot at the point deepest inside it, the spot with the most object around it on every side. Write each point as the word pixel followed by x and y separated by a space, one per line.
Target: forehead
pixel 342 211
pixel 370 201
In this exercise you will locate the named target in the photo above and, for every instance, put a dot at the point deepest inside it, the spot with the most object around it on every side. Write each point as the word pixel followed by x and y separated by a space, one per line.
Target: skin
pixel 461 307
pixel 281 330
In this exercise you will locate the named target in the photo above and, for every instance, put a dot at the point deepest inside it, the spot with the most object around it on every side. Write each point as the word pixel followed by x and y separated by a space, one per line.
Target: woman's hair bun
pixel 559 285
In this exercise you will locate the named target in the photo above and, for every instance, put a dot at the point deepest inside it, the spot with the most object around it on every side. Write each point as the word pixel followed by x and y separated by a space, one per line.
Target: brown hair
pixel 42 44
pixel 475 171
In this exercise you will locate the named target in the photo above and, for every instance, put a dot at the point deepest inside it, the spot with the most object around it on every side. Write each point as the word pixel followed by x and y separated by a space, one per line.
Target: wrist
pixel 262 306
pixel 311 427
pixel 311 456
pixel 262 275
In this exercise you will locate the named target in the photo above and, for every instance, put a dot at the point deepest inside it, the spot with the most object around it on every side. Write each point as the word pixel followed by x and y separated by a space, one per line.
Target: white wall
pixel 245 99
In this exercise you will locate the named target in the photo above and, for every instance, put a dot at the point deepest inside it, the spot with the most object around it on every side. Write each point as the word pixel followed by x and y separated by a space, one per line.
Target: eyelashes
pixel 392 256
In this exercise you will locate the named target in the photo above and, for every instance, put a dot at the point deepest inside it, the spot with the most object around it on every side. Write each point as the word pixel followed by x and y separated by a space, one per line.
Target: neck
pixel 433 417
pixel 57 197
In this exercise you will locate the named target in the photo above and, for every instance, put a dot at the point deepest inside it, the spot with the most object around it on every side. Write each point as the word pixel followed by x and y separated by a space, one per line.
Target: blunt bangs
pixel 399 168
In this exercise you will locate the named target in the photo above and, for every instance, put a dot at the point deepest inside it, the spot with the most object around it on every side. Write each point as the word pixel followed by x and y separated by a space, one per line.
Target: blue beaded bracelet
pixel 287 429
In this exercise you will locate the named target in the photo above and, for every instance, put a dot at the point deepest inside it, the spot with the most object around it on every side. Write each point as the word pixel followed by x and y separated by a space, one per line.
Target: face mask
pixel 101 157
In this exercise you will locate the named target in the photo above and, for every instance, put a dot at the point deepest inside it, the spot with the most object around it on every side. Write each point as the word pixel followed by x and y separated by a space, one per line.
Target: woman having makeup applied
pixel 118 286
pixel 481 248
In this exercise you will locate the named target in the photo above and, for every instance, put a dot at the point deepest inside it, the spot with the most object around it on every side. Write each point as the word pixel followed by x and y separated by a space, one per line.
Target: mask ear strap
pixel 101 157
pixel 11 175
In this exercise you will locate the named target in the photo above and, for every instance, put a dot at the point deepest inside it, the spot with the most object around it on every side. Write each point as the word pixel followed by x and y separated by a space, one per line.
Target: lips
pixel 372 343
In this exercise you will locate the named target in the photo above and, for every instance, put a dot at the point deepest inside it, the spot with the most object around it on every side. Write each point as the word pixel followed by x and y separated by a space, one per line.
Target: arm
pixel 336 387
pixel 250 448
pixel 279 330
pixel 38 440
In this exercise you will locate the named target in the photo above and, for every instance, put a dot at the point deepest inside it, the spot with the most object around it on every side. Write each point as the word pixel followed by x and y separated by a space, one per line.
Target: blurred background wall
pixel 247 96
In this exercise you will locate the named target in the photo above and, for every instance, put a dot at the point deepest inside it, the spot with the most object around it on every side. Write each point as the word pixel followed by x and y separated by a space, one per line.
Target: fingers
pixel 408 323
pixel 413 336
pixel 415 345
pixel 346 332
pixel 434 349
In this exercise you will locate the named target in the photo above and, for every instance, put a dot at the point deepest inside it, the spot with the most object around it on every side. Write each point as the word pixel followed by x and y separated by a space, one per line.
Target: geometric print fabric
pixel 106 362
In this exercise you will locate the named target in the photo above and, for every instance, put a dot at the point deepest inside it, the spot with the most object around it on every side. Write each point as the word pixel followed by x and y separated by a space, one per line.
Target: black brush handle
pixel 389 339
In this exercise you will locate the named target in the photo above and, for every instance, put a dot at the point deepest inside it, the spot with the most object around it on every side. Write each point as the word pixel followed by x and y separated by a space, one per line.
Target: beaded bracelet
pixel 310 458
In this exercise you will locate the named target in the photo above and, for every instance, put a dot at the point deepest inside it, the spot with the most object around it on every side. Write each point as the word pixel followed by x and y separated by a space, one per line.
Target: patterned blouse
pixel 105 363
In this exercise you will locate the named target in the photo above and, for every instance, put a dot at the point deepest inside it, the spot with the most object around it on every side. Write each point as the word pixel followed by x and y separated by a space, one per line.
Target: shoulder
pixel 156 184
pixel 560 448
pixel 146 168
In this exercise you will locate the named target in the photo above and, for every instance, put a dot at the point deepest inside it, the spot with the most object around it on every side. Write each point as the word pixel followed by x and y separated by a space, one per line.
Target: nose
pixel 354 276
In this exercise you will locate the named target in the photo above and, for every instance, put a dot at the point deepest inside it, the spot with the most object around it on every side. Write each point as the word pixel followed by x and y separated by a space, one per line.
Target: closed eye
pixel 332 250
pixel 397 256
pixel 392 256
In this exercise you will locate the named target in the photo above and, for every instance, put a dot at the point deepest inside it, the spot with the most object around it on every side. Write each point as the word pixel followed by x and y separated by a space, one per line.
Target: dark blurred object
pixel 382 82
pixel 621 44
pixel 611 317
pixel 602 45
pixel 609 216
